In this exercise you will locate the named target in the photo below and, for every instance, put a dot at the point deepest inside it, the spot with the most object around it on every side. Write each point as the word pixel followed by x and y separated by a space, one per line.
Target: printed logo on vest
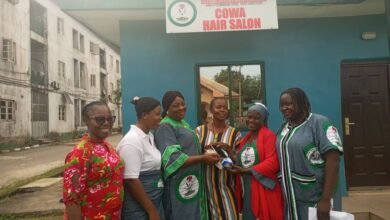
pixel 314 156
pixel 160 183
pixel 333 136
pixel 248 157
pixel 189 187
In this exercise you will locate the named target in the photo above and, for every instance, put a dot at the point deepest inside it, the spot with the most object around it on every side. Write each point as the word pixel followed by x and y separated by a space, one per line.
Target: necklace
pixel 216 130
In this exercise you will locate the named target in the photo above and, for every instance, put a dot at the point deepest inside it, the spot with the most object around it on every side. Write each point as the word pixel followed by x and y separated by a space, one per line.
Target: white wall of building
pixel 14 75
pixel 60 48
pixel 15 79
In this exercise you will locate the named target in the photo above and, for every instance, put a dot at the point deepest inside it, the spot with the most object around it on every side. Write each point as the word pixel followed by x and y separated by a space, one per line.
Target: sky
pixel 210 71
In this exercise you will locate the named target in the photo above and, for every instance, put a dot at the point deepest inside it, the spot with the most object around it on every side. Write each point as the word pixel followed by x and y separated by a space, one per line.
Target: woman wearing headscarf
pixel 182 159
pixel 219 182
pixel 257 190
pixel 309 149
pixel 142 176
pixel 93 186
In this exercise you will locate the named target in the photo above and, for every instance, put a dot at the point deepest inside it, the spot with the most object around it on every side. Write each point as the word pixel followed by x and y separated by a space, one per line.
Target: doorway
pixel 365 88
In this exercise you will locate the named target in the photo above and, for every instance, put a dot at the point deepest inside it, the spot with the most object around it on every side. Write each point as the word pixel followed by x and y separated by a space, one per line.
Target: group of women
pixel 175 172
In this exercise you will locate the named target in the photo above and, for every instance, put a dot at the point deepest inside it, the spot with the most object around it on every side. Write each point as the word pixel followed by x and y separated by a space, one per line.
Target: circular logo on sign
pixel 188 187
pixel 248 157
pixel 182 13
pixel 333 136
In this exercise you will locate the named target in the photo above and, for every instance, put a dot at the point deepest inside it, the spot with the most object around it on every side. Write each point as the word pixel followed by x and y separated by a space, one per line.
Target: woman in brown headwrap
pixel 182 160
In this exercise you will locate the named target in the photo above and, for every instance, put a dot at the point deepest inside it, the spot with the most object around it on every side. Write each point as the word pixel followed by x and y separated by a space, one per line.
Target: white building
pixel 51 66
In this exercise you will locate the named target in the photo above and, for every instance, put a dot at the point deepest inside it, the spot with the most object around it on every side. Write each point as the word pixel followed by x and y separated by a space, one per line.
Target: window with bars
pixel 61 69
pixel 60 26
pixel 62 112
pixel 93 80
pixel 9 50
pixel 117 66
pixel 75 39
pixel 82 43
pixel 7 110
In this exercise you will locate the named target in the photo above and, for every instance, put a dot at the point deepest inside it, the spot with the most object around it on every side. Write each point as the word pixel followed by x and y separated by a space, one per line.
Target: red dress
pixel 93 179
pixel 265 204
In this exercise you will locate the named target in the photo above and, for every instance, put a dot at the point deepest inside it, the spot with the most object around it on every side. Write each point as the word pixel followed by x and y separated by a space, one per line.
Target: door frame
pixel 357 62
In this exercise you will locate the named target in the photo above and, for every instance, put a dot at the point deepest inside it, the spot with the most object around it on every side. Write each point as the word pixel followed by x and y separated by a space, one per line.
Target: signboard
pixel 220 15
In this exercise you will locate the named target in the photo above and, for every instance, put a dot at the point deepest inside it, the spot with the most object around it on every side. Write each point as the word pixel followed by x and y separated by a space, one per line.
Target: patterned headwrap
pixel 261 109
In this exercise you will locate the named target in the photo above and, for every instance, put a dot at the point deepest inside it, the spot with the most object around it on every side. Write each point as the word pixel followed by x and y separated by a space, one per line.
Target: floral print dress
pixel 93 179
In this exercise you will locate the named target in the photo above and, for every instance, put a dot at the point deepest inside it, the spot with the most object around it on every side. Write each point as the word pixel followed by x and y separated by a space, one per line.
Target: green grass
pixel 43 216
pixel 8 190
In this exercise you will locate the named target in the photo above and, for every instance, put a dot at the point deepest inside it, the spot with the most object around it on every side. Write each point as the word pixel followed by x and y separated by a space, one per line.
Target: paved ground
pixel 371 199
pixel 20 165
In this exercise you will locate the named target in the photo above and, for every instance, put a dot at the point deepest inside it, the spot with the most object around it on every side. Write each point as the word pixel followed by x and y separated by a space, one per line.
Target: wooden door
pixel 366 123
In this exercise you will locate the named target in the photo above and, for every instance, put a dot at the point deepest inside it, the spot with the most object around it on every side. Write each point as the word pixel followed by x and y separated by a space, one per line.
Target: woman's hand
pixel 154 215
pixel 224 146
pixel 323 209
pixel 238 170
pixel 211 158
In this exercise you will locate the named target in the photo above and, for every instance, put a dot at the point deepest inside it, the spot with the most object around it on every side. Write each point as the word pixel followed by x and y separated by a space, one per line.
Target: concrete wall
pixel 14 76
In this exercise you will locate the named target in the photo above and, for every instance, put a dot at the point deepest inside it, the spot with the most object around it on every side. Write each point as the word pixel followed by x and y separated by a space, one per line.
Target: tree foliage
pixel 250 85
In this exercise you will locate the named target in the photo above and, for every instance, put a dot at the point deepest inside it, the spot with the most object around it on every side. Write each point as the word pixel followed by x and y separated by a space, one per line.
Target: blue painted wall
pixel 303 53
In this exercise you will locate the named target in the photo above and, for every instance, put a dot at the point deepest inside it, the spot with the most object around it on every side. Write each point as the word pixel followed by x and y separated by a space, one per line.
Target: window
pixel 76 73
pixel 60 26
pixel 112 87
pixel 9 50
pixel 111 62
pixel 102 58
pixel 93 48
pixel 82 43
pixel 117 66
pixel 62 112
pixel 82 75
pixel 13 1
pixel 241 85
pixel 75 39
pixel 93 80
pixel 61 69
pixel 7 109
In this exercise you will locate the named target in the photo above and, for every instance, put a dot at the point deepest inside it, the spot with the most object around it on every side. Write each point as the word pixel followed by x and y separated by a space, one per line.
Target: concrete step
pixel 39 184
pixel 44 141
pixel 369 191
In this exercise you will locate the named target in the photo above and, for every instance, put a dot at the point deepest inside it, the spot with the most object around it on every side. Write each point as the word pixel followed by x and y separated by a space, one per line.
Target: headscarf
pixel 261 109
pixel 144 105
pixel 167 100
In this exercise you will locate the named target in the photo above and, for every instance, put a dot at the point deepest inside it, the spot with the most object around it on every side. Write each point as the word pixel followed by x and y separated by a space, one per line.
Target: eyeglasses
pixel 101 119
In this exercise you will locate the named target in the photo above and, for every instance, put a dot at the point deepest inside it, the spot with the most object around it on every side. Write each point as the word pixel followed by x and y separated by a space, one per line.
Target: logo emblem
pixel 333 136
pixel 182 13
pixel 189 187
pixel 248 157
pixel 314 156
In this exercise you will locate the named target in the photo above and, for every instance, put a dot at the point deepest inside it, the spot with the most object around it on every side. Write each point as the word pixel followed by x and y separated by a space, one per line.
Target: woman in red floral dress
pixel 93 170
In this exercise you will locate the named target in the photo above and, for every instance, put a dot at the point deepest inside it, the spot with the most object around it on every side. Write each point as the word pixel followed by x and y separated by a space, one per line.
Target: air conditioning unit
pixel 14 1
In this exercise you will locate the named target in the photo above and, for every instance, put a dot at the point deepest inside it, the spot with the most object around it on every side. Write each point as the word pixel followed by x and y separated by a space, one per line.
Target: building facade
pixel 51 66
pixel 336 50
